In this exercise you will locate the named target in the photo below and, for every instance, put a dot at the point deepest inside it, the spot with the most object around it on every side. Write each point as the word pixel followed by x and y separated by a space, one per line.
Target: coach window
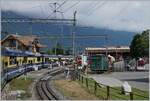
pixel 20 61
pixel 38 59
pixel 6 64
pixel 12 60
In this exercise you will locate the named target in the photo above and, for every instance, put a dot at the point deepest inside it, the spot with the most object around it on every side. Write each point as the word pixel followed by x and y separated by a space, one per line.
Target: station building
pixel 119 52
pixel 22 43
pixel 18 50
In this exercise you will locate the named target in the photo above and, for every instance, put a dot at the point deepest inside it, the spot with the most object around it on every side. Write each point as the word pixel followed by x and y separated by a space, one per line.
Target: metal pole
pixel 56 47
pixel 16 42
pixel 25 70
pixel 95 87
pixel 82 79
pixel 108 92
pixel 131 95
pixel 55 18
pixel 62 29
pixel 73 33
pixel 87 82
pixel 55 10
pixel 31 28
pixel 73 44
pixel 106 39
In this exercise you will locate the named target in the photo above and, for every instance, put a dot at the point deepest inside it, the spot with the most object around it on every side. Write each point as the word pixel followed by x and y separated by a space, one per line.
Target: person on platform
pixel 111 61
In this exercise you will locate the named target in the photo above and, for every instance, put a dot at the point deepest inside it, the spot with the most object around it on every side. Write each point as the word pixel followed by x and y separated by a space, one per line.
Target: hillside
pixel 42 29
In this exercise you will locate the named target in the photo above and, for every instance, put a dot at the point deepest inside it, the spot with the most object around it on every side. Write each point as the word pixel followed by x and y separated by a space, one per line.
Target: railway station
pixel 117 52
pixel 74 50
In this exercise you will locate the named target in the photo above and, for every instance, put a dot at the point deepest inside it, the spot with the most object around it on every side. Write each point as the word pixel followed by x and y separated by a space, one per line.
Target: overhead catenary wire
pixel 97 7
pixel 55 8
pixel 122 10
pixel 71 6
pixel 42 11
pixel 92 5
pixel 67 9
pixel 77 36
pixel 61 4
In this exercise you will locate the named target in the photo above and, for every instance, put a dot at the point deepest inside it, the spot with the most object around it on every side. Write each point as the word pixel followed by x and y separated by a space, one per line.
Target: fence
pixel 128 65
pixel 113 93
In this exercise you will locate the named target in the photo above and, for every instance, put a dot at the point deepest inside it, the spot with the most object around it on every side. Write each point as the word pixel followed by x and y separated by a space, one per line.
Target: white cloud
pixel 116 15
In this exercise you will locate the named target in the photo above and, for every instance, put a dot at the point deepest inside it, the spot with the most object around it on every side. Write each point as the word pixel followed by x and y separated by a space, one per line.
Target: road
pixel 138 80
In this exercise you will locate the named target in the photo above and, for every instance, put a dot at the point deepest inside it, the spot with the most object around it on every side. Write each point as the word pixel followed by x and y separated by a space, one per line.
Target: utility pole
pixel 106 40
pixel 55 16
pixel 16 43
pixel 30 28
pixel 55 10
pixel 73 33
pixel 55 4
pixel 56 47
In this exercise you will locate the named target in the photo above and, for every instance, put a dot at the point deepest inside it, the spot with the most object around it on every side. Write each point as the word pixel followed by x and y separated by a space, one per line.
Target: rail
pixel 43 88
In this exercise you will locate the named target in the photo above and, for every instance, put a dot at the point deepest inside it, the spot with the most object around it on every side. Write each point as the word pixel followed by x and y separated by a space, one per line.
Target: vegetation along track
pixel 43 88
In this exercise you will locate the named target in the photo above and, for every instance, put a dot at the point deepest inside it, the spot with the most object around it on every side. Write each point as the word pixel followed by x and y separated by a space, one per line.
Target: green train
pixel 98 62
pixel 94 62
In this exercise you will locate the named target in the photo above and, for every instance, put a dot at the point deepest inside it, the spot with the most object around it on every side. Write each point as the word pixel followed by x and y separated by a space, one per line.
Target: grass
pixel 22 84
pixel 115 92
pixel 73 90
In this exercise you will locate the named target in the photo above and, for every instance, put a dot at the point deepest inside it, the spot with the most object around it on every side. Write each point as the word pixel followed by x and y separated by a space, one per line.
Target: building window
pixel 12 43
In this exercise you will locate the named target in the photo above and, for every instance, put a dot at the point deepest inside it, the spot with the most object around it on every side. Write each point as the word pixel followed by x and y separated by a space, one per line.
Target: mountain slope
pixel 43 29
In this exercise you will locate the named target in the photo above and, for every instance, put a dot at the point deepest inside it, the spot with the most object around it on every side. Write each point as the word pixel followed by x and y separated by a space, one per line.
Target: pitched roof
pixel 25 40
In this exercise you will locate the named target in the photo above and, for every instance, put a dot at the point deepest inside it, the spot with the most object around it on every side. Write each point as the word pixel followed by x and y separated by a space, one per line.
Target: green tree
pixel 140 45
pixel 68 51
pixel 49 52
pixel 58 49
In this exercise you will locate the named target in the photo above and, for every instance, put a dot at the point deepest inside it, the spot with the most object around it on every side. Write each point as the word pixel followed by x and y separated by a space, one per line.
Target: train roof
pixel 6 51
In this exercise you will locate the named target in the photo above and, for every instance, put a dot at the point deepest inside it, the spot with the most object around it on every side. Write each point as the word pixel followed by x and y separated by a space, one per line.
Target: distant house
pixel 117 52
pixel 23 43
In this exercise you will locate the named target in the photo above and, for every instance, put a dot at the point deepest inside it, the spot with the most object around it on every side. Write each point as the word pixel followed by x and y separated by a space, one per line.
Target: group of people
pixel 57 63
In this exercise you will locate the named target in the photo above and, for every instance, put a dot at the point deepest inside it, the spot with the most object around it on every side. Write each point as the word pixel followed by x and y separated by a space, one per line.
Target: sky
pixel 121 15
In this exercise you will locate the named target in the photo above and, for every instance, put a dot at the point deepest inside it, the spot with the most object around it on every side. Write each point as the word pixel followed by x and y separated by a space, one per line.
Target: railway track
pixel 43 88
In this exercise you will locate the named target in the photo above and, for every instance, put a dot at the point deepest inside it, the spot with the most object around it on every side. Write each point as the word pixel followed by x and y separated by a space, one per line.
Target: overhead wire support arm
pixel 77 37
pixel 33 20
pixel 55 8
